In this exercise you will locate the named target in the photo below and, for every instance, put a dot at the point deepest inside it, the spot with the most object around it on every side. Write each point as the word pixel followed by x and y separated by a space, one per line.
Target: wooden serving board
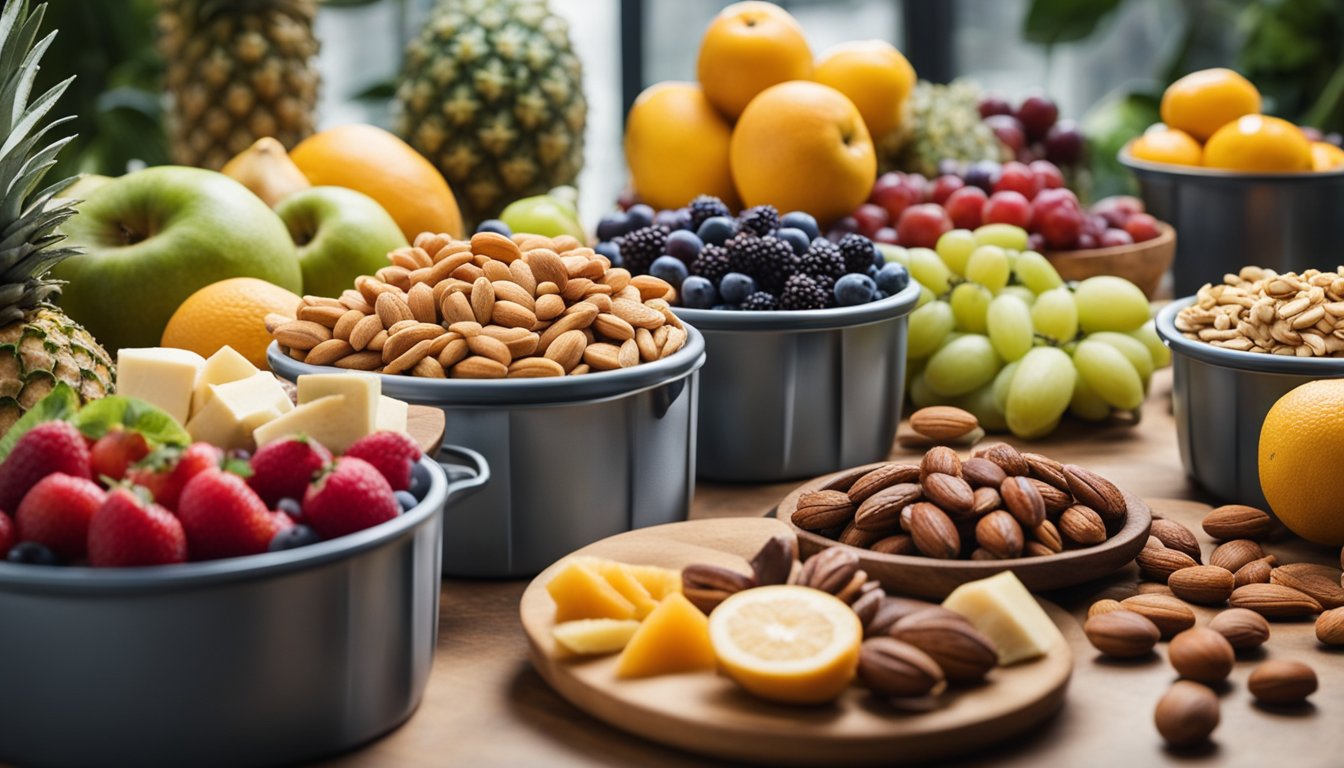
pixel 706 713
pixel 425 425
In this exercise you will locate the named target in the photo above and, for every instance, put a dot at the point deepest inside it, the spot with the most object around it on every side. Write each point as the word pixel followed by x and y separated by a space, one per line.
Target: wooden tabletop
pixel 485 706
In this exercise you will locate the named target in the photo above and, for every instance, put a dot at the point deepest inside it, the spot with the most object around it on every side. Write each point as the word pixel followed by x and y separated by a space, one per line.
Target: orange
pixel 231 312
pixel 1301 441
pixel 803 146
pixel 1202 102
pixel 676 145
pixel 1160 144
pixel 874 75
pixel 1260 144
pixel 368 159
pixel 749 47
pixel 1326 156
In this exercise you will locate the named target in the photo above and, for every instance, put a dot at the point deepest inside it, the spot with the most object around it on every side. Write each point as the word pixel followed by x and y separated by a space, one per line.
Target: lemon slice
pixel 789 644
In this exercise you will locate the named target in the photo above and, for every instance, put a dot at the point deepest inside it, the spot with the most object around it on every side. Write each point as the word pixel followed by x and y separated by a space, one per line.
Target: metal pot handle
pixel 467 470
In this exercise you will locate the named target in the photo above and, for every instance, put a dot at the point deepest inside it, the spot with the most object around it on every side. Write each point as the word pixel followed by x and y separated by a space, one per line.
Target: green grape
pixel 981 404
pixel 954 248
pixel 969 303
pixel 1056 315
pixel 1001 384
pixel 925 296
pixel 988 266
pixel 927 327
pixel 1002 235
pixel 929 270
pixel 962 366
pixel 894 253
pixel 949 338
pixel 1086 403
pixel 1036 272
pixel 1010 329
pixel 1109 374
pixel 1021 292
pixel 1147 333
pixel 1133 350
pixel 1040 392
pixel 922 396
pixel 1109 303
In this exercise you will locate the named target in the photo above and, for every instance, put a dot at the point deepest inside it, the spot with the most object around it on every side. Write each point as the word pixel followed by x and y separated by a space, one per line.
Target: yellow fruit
pixel 787 643
pixel 674 638
pixel 589 637
pixel 874 75
pixel 660 582
pixel 625 582
pixel 1259 144
pixel 803 146
pixel 368 159
pixel 1161 144
pixel 676 145
pixel 580 592
pixel 230 312
pixel 1301 441
pixel 1202 102
pixel 749 47
pixel 265 168
pixel 1326 156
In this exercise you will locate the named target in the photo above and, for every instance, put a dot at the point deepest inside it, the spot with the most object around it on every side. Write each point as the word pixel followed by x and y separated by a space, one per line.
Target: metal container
pixel 1220 398
pixel 800 394
pixel 1226 220
pixel 269 659
pixel 575 459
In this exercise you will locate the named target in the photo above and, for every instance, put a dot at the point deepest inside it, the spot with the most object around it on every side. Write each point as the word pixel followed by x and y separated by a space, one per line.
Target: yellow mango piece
pixel 590 637
pixel 580 592
pixel 673 638
pixel 618 575
pixel 660 582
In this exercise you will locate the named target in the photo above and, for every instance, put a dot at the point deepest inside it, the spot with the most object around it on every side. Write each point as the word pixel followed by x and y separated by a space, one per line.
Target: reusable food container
pixel 575 459
pixel 1283 221
pixel 791 394
pixel 262 660
pixel 1220 398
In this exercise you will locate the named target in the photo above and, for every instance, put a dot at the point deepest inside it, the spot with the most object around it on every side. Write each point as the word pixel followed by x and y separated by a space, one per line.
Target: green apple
pixel 340 234
pixel 84 186
pixel 544 215
pixel 154 237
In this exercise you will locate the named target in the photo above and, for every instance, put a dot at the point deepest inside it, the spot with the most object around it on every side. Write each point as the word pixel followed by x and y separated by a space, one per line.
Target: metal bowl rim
pixel 1253 362
pixel 893 306
pixel 1218 175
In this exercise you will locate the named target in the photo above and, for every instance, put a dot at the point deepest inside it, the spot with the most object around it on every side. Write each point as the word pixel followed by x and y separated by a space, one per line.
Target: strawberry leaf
pixel 156 426
pixel 59 405
pixel 239 467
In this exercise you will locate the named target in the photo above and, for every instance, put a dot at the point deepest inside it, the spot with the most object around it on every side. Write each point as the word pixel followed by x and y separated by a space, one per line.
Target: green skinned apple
pixel 544 215
pixel 153 237
pixel 340 234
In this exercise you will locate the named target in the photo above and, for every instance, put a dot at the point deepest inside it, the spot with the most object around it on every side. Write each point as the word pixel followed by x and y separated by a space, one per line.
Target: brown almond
pixel 882 510
pixel 952 494
pixel 1236 553
pixel 428 368
pixel 479 367
pixel 301 334
pixel 1121 633
pixel 1105 606
pixel 890 667
pixel 456 308
pixel 1330 627
pixel 613 327
pixel 637 314
pixel 408 359
pixel 1169 613
pixel 940 460
pixel 492 348
pixel 878 479
pixel 1158 564
pixel 549 307
pixel 521 273
pixel 1047 470
pixel 1238 521
pixel 367 360
pixel 986 500
pixel 1006 456
pixel 934 532
pixel 1153 588
pixel 391 308
pixel 1321 582
pixel 482 300
pixel 982 473
pixel 1254 572
pixel 1097 492
pixel 1036 549
pixel 328 352
pixel 1274 601
pixel 407 336
pixel 1202 584
pixel 423 306
pixel 323 315
pixel 603 357
pixel 855 537
pixel 1201 654
pixel 1023 501
pixel 547 268
pixel 962 652
pixel 567 349
pixel 1244 629
pixel 512 315
pixel 346 325
pixel 1048 535
pixel 1082 526
pixel 1282 682
pixel 495 245
pixel 1175 536
pixel 534 368
pixel 943 422
pixel 454 352
pixel 1186 714
pixel 1056 501
pixel 999 533
pixel 898 544
pixel 819 510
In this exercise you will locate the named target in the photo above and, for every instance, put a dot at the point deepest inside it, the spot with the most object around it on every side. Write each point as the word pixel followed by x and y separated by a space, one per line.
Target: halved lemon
pixel 789 644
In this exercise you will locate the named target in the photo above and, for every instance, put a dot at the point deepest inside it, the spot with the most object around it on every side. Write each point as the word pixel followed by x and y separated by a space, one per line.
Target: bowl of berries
pixel 175 602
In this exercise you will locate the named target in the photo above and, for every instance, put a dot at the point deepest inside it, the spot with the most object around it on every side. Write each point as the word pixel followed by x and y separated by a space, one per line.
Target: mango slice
pixel 673 638
pixel 580 592
pixel 592 637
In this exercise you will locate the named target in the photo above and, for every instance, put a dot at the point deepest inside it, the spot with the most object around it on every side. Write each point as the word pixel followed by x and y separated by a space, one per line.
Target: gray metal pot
pixel 800 394
pixel 1220 398
pixel 268 659
pixel 575 459
pixel 1283 221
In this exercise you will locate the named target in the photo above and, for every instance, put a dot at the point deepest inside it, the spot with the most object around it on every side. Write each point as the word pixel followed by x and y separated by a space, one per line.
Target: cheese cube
pixel 236 408
pixel 391 414
pixel 224 366
pixel 590 637
pixel 162 376
pixel 361 392
pixel 325 420
pixel 1002 608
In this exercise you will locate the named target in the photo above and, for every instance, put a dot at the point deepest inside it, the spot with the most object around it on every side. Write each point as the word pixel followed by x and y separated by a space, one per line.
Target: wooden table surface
pixel 485 706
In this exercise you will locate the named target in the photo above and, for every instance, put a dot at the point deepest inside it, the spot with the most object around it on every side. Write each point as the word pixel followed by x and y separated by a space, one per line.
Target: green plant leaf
pixel 155 425
pixel 59 405
pixel 1064 21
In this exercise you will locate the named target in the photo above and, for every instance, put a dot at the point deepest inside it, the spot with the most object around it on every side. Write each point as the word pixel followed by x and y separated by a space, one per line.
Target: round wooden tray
pixel 935 579
pixel 1143 264
pixel 706 713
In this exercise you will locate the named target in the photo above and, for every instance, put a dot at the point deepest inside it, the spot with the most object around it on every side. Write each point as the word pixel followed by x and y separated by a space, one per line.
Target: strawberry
pixel 56 513
pixel 49 447
pixel 351 496
pixel 391 453
pixel 7 534
pixel 129 529
pixel 116 451
pixel 223 517
pixel 166 471
pixel 283 469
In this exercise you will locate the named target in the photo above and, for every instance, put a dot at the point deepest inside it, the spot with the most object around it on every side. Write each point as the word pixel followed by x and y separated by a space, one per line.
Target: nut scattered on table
pixel 1186 714
pixel 1238 521
pixel 1245 629
pixel 1120 633
pixel 1259 310
pixel 1282 682
pixel 1201 654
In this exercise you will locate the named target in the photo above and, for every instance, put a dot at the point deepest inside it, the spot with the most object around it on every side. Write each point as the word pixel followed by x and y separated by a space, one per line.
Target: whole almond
pixel 1096 492
pixel 1237 521
pixel 982 473
pixel 1006 456
pixel 1023 501
pixel 613 327
pixel 952 494
pixel 452 353
pixel 548 307
pixel 1330 627
pixel 1175 536
pixel 818 510
pixel 1082 526
pixel 890 667
pixel 1244 629
pixel 1121 633
pixel 856 537
pixel 943 422
pixel 830 570
pixel 301 334
pixel 1159 564
pixel 1236 553
pixel 1186 714
pixel 963 653
pixel 891 610
pixel 322 315
pixel 1274 601
pixel 534 368
pixel 328 352
pixel 512 315
pixel 1254 572
pixel 492 348
pixel 637 314
pixel 391 308
pixel 883 477
pixel 567 349
pixel 602 356
pixel 940 460
pixel 898 544
pixel 882 511
pixel 999 533
pixel 1202 584
pixel 774 561
pixel 1153 588
pixel 1047 470
pixel 933 531
pixel 986 500
pixel 1282 682
pixel 1170 614
pixel 478 367
pixel 1056 501
pixel 708 585
pixel 1201 654
pixel 1047 534
pixel 1322 582
pixel 1037 549
pixel 1105 606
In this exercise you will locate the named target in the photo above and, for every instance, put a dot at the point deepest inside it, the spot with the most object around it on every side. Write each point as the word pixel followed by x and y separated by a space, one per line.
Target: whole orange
pixel 749 47
pixel 368 159
pixel 874 75
pixel 1202 102
pixel 231 312
pixel 1301 441
pixel 1326 156
pixel 803 146
pixel 1160 144
pixel 676 145
pixel 1259 144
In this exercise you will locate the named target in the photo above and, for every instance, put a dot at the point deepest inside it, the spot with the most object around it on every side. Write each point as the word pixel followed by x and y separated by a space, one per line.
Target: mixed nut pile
pixel 1259 310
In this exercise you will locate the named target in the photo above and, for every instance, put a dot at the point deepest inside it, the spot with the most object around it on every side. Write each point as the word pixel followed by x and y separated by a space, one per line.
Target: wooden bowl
pixel 934 579
pixel 1142 264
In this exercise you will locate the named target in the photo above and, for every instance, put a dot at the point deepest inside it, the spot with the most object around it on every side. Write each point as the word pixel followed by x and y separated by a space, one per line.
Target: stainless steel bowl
pixel 1283 221
pixel 1220 398
pixel 261 660
pixel 799 394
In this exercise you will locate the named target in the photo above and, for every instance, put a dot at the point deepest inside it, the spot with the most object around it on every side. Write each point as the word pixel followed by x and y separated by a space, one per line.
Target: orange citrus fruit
pixel 749 47
pixel 874 75
pixel 1202 102
pixel 1326 156
pixel 1300 443
pixel 1259 143
pixel 676 145
pixel 1160 144
pixel 803 146
pixel 368 159
pixel 231 312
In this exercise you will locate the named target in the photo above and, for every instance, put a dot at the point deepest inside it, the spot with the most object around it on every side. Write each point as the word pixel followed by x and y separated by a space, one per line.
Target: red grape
pixel 918 186
pixel 870 218
pixel 1049 198
pixel 921 225
pixel 1047 174
pixel 944 186
pixel 1036 242
pixel 965 206
pixel 1007 207
pixel 1117 209
pixel 994 105
pixel 1018 178
pixel 1094 225
pixel 983 174
pixel 1063 143
pixel 1037 114
pixel 1142 226
pixel 887 235
pixel 1058 217
pixel 887 180
pixel 1009 131
pixel 894 199
pixel 1085 241
pixel 1113 237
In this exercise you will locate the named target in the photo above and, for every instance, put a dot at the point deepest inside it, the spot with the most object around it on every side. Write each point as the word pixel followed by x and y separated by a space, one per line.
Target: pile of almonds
pixel 998 505
pixel 488 308
pixel 1259 310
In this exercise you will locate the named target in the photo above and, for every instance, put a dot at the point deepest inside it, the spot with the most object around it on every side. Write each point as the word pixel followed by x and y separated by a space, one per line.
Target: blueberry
pixel 698 293
pixel 612 225
pixel 716 230
pixel 31 553
pixel 796 238
pixel 803 221
pixel 640 216
pixel 736 287
pixel 293 538
pixel 495 225
pixel 669 268
pixel 879 258
pixel 611 250
pixel 419 480
pixel 674 219
pixel 853 289
pixel 406 500
pixel 684 245
pixel 291 507
pixel 893 277
pixel 872 271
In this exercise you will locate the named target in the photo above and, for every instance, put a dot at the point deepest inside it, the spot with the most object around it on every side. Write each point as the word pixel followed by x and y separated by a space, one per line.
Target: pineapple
pixel 492 94
pixel 39 345
pixel 238 70
pixel 944 124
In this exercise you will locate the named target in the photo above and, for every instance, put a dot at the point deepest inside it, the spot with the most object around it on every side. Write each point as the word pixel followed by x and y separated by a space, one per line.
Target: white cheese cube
pixel 361 392
pixel 1002 608
pixel 392 414
pixel 236 408
pixel 162 376
pixel 224 366
pixel 326 420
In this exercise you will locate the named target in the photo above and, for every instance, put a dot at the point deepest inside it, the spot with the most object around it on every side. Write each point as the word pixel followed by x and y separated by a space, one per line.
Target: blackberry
pixel 740 248
pixel 762 219
pixel 823 259
pixel 641 247
pixel 704 207
pixel 858 252
pixel 712 263
pixel 768 259
pixel 760 301
pixel 802 292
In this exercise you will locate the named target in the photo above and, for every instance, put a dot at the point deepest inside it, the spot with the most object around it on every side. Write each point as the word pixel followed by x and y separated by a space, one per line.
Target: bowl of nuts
pixel 925 528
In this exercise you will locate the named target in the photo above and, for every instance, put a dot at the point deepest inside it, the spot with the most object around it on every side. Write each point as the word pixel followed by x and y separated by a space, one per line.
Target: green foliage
pixel 1064 21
